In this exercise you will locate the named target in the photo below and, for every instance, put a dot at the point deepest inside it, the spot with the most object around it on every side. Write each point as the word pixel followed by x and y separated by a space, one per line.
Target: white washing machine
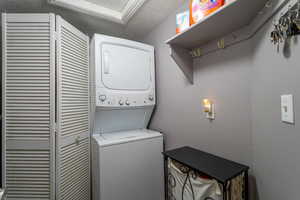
pixel 127 160
pixel 128 166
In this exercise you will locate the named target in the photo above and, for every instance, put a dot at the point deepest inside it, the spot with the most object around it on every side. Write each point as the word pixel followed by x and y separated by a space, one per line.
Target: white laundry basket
pixel 185 184
pixel 192 174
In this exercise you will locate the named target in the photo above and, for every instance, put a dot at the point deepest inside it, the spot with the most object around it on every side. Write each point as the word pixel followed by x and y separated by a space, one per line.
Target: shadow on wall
pixel 253 190
pixel 286 50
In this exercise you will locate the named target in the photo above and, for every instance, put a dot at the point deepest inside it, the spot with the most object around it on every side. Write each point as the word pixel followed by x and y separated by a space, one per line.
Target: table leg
pixel 166 174
pixel 246 189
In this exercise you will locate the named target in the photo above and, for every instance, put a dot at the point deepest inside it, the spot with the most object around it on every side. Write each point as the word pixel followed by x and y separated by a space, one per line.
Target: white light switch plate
pixel 287 108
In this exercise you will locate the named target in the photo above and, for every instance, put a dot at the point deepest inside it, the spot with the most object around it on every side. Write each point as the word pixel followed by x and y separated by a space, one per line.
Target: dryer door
pixel 125 67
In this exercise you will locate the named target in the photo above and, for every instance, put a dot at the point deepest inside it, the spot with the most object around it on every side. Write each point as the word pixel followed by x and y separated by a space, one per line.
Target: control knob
pixel 102 98
pixel 127 103
pixel 151 98
pixel 121 103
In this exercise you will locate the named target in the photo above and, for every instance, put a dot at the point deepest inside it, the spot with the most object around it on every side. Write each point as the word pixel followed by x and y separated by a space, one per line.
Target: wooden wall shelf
pixel 229 18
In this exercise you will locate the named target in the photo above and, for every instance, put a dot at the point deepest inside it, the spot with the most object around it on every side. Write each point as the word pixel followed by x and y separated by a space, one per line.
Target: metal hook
pixel 196 52
pixel 290 9
pixel 221 44
pixel 281 14
pixel 269 4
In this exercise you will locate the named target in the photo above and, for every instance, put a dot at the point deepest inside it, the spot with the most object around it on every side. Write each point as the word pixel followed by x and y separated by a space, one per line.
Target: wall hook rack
pixel 206 34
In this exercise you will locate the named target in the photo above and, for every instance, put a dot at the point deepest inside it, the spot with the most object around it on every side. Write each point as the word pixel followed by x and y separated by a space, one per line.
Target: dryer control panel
pixel 124 72
pixel 105 99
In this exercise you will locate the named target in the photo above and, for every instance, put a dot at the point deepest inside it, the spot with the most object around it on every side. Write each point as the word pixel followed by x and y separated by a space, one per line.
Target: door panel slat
pixel 28 105
pixel 73 142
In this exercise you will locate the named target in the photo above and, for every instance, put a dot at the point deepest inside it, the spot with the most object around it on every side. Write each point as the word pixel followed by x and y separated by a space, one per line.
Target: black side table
pixel 220 169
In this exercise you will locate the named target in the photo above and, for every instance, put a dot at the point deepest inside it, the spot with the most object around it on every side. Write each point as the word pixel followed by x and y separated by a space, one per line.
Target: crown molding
pixel 131 8
pixel 89 8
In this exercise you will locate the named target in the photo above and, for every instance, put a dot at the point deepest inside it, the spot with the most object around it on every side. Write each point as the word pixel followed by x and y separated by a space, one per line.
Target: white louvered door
pixel 73 141
pixel 28 105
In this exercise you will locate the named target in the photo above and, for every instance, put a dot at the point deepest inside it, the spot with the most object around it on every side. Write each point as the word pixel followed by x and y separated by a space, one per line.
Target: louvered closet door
pixel 73 141
pixel 28 105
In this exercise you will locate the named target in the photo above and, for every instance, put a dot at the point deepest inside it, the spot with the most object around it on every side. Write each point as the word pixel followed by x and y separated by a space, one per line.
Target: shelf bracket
pixel 182 58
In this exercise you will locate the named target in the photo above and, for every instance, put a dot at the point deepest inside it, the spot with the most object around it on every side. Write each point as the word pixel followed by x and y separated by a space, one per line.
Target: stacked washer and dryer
pixel 127 162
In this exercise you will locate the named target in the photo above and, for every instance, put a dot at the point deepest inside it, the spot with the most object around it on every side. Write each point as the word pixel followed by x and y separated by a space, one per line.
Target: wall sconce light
pixel 209 109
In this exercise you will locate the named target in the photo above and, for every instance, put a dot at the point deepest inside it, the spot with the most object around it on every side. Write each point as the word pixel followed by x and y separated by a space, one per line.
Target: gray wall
pixel 223 77
pixel 246 82
pixel 276 145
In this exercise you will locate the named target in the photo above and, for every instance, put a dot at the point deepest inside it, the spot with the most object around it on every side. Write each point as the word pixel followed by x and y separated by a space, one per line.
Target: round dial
pixel 151 97
pixel 102 97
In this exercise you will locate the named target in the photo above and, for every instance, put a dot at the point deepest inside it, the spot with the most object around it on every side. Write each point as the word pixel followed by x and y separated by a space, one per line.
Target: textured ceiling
pixel 151 14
